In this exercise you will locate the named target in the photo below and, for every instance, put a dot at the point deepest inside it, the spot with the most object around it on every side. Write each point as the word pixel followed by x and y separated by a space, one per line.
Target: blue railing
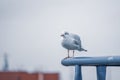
pixel 100 62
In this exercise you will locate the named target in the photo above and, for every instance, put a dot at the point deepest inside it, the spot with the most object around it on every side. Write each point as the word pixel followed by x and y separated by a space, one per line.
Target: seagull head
pixel 65 35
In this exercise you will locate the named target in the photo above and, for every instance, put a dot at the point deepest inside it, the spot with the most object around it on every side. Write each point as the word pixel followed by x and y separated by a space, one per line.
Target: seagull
pixel 71 42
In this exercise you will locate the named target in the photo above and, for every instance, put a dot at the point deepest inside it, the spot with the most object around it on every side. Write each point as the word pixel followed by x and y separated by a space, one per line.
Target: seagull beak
pixel 62 35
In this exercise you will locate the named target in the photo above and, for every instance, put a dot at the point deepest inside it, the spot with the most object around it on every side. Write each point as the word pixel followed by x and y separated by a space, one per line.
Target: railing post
pixel 100 62
pixel 78 73
pixel 101 72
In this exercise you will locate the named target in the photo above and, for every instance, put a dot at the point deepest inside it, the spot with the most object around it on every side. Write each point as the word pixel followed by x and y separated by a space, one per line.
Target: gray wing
pixel 78 43
pixel 77 38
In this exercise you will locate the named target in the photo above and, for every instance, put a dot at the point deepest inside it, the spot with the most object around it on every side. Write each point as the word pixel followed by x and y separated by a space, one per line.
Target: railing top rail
pixel 92 61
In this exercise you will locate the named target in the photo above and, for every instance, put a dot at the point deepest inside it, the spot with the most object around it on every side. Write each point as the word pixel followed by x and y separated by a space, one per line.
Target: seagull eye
pixel 66 33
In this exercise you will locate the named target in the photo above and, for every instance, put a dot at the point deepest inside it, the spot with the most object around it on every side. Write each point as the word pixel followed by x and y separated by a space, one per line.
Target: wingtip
pixel 85 50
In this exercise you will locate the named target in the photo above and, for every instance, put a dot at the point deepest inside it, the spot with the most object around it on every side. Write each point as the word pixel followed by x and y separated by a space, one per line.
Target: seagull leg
pixel 73 53
pixel 68 54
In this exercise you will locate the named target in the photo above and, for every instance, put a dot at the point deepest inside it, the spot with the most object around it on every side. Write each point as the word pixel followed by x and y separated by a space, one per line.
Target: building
pixel 5 74
pixel 28 76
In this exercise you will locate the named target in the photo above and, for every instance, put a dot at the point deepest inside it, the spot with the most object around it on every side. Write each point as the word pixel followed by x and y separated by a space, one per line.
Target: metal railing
pixel 100 62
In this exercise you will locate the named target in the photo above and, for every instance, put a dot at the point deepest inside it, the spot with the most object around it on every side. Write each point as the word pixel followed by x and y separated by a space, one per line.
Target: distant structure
pixel 6 64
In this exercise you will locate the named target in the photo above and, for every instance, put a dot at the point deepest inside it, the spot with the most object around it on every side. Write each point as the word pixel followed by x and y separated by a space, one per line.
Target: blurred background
pixel 30 34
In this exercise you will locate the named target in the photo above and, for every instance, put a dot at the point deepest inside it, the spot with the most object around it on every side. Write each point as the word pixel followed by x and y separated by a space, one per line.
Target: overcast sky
pixel 30 32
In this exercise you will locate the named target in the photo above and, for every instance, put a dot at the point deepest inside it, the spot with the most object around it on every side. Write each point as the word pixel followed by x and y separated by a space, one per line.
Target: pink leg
pixel 73 53
pixel 68 54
